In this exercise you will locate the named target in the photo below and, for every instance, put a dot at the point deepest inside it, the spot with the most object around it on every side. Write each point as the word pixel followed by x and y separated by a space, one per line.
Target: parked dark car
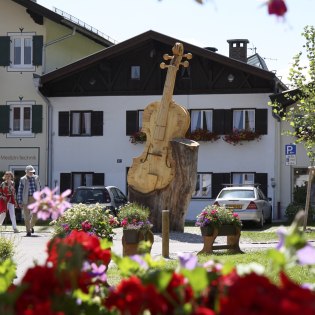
pixel 110 197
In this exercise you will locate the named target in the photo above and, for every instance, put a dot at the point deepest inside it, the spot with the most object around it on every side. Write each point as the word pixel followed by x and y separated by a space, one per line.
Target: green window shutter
pixel 63 124
pixel 261 121
pixel 65 182
pixel 38 50
pixel 131 122
pixel 4 50
pixel 4 119
pixel 98 179
pixel 97 124
pixel 37 118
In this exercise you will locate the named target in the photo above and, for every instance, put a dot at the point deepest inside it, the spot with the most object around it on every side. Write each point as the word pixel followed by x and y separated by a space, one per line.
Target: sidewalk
pixel 32 249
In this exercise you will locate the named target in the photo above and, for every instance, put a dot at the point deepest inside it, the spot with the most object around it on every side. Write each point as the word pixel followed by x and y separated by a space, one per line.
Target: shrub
pixel 293 208
pixel 89 218
pixel 6 249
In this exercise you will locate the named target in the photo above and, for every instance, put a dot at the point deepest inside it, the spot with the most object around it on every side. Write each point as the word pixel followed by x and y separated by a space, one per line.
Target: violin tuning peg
pixel 188 56
pixel 163 65
pixel 167 57
pixel 185 64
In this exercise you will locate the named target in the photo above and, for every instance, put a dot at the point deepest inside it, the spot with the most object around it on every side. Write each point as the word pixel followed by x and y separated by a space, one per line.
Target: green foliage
pixel 90 218
pixel 301 117
pixel 293 208
pixel 299 200
pixel 6 248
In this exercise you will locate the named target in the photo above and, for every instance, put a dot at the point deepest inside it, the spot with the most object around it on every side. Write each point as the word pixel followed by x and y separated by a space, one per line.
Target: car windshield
pixel 90 196
pixel 229 194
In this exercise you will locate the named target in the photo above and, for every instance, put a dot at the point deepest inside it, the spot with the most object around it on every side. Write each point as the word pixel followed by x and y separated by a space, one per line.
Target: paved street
pixel 31 249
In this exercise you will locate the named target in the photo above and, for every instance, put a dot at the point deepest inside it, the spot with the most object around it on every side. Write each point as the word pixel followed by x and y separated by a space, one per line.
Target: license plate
pixel 233 207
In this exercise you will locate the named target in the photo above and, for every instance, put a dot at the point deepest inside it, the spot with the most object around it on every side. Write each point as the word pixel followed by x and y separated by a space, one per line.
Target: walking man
pixel 28 185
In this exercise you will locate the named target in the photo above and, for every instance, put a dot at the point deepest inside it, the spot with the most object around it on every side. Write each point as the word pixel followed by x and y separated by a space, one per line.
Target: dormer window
pixel 135 72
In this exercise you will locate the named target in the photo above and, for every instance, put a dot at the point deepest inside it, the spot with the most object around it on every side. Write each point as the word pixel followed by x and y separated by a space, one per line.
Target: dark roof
pixel 257 61
pixel 37 12
pixel 286 98
pixel 129 44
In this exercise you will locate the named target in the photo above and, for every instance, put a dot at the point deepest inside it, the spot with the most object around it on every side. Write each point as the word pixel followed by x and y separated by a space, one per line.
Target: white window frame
pixel 20 133
pixel 199 116
pixel 140 117
pixel 21 66
pixel 203 188
pixel 78 123
pixel 135 72
pixel 244 119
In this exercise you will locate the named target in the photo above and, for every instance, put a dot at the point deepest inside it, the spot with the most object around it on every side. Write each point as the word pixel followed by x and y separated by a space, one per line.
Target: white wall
pixel 100 153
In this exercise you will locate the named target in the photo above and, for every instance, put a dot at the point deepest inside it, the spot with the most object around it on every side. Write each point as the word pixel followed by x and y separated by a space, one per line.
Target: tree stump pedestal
pixel 232 234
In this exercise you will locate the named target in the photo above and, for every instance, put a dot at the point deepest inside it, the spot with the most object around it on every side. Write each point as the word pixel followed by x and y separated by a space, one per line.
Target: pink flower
pixel 86 225
pixel 277 7
pixel 47 204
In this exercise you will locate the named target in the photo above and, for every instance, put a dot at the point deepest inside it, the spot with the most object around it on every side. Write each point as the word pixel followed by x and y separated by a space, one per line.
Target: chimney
pixel 238 49
pixel 213 49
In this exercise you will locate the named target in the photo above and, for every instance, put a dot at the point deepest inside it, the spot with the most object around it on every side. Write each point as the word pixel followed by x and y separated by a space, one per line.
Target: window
pixel 201 119
pixel 82 179
pixel 81 123
pixel 135 72
pixel 243 178
pixel 133 121
pixel 203 186
pixel 21 119
pixel 76 179
pixel 244 119
pixel 21 51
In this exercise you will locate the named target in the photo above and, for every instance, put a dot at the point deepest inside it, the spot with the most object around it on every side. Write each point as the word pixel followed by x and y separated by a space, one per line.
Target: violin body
pixel 162 121
pixel 154 168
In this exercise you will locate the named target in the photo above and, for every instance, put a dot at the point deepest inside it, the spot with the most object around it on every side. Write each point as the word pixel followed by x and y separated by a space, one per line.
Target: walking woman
pixel 8 199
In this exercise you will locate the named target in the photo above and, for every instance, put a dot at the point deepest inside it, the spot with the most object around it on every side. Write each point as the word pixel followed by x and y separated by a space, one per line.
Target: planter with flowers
pixel 218 221
pixel 202 135
pixel 138 137
pixel 92 219
pixel 134 219
pixel 238 136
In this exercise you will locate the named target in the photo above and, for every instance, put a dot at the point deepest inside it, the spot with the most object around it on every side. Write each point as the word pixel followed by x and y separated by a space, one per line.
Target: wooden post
pixel 308 194
pixel 165 233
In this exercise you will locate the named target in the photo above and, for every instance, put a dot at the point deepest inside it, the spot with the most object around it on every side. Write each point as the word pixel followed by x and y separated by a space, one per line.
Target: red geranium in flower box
pixel 237 136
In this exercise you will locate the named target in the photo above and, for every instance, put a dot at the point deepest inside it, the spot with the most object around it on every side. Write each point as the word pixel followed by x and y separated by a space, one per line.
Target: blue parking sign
pixel 290 149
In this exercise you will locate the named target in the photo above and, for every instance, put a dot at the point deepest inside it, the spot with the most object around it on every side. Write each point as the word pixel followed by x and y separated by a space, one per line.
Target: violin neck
pixel 161 121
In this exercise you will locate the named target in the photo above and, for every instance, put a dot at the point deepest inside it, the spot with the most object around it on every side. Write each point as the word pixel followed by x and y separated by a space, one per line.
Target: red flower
pixel 86 225
pixel 132 297
pixel 277 7
pixel 254 294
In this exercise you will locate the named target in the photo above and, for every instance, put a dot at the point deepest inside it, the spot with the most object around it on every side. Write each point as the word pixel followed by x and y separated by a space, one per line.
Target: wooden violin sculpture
pixel 161 122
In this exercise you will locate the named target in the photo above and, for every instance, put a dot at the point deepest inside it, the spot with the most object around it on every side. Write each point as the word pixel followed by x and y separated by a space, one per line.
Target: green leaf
pixel 197 278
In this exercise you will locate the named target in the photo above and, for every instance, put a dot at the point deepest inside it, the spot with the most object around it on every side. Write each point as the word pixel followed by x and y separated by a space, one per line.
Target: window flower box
pixel 138 137
pixel 237 136
pixel 202 135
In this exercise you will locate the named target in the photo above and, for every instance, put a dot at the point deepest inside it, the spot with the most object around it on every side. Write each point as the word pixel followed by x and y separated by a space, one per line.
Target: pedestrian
pixel 29 184
pixel 7 191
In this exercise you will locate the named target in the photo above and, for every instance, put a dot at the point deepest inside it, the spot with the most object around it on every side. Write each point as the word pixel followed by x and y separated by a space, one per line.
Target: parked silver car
pixel 249 202
pixel 110 197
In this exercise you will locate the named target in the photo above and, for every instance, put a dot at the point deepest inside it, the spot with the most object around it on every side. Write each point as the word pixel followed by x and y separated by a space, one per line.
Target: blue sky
pixel 212 24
